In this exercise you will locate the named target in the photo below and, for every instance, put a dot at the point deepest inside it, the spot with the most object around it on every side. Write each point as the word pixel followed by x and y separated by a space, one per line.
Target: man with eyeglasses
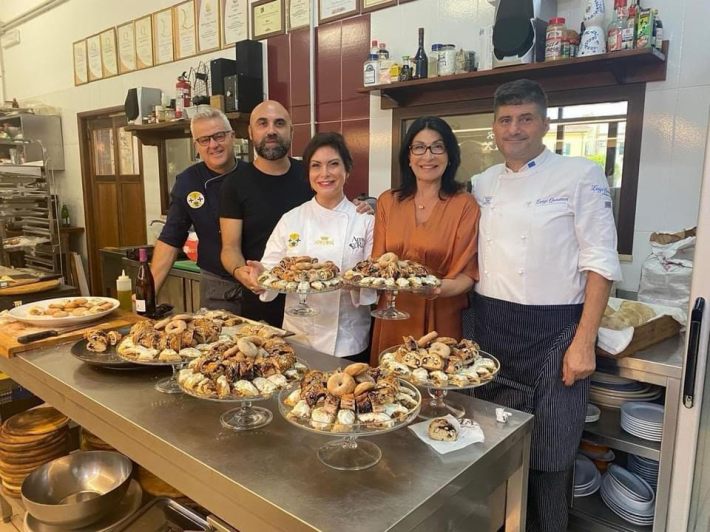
pixel 195 203
pixel 547 257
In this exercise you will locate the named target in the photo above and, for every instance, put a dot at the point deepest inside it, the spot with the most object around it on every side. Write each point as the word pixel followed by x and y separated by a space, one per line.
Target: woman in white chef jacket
pixel 327 227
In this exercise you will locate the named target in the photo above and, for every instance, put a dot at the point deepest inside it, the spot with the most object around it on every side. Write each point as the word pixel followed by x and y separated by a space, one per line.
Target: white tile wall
pixel 675 118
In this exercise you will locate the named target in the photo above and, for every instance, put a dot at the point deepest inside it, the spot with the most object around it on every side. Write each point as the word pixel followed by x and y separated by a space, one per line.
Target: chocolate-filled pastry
pixel 442 429
pixel 364 405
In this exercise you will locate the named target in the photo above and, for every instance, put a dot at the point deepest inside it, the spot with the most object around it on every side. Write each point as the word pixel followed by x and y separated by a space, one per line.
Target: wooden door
pixel 114 200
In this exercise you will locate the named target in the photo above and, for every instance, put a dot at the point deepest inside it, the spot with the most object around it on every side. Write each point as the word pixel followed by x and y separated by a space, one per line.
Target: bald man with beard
pixel 255 197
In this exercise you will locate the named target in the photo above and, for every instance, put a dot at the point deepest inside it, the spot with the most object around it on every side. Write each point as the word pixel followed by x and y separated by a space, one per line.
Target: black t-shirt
pixel 260 200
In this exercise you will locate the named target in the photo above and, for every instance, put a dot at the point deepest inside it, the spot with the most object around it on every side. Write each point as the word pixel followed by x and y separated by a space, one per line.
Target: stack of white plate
pixel 587 478
pixel 646 468
pixel 612 391
pixel 644 420
pixel 628 496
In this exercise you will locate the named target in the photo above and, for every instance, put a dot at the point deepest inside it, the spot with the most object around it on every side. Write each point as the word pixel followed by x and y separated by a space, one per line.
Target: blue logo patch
pixel 486 200
pixel 601 190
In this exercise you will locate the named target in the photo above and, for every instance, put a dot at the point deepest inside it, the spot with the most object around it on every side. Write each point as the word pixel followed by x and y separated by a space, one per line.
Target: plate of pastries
pixel 389 272
pixel 65 311
pixel 301 274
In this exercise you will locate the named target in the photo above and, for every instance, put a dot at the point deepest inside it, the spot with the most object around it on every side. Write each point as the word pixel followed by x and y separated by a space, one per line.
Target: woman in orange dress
pixel 430 219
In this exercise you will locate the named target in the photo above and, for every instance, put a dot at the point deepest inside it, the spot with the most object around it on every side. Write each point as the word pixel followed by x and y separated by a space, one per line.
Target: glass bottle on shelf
pixel 66 221
pixel 145 286
pixel 405 71
pixel 421 62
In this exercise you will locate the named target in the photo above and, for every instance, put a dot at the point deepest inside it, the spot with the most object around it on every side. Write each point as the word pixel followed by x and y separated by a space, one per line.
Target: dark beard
pixel 273 153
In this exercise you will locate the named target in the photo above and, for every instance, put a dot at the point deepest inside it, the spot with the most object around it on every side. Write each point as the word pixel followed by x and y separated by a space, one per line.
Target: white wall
pixel 675 116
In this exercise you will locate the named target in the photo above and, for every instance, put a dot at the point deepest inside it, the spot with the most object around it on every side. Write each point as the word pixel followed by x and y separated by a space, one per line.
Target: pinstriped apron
pixel 530 342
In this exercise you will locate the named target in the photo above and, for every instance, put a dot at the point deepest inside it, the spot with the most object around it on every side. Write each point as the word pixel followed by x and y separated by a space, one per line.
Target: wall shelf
pixel 618 68
pixel 154 134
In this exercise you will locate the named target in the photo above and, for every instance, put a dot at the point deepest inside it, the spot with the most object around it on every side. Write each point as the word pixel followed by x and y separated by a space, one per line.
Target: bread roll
pixel 629 314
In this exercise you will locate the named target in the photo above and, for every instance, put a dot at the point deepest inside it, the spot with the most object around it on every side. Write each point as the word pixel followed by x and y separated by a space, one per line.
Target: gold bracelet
pixel 235 269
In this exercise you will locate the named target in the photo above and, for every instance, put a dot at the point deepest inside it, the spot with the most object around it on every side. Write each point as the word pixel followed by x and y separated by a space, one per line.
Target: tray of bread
pixel 65 311
pixel 301 274
pixel 439 362
pixel 245 368
pixel 356 400
pixel 389 272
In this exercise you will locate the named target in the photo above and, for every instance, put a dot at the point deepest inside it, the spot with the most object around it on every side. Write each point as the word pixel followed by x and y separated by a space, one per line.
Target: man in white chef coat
pixel 547 257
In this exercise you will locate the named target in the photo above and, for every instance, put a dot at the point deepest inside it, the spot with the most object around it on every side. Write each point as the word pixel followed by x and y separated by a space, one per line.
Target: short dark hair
pixel 332 140
pixel 519 92
pixel 449 185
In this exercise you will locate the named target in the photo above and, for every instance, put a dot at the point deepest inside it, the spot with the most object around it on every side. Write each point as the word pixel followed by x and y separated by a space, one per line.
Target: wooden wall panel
pixel 106 203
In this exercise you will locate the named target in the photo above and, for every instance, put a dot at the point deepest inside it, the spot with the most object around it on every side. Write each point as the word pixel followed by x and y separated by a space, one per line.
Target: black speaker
pixel 249 59
pixel 140 103
pixel 519 31
pixel 242 93
pixel 219 69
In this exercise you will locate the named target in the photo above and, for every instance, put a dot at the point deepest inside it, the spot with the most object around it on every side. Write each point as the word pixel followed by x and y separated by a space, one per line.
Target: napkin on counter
pixel 470 432
pixel 615 342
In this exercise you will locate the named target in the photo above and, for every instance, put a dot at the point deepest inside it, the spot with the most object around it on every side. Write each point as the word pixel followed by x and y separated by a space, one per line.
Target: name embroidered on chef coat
pixel 551 200
pixel 195 199
pixel 324 241
pixel 358 242
pixel 293 240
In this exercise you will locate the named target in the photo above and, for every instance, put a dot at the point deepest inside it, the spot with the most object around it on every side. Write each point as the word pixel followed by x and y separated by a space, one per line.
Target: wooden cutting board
pixel 29 287
pixel 11 329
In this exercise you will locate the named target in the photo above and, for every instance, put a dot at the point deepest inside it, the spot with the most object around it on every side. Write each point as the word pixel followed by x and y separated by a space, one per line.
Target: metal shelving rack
pixel 660 364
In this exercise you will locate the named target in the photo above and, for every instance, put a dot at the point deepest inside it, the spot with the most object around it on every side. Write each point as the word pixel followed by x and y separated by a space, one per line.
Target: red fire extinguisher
pixel 182 95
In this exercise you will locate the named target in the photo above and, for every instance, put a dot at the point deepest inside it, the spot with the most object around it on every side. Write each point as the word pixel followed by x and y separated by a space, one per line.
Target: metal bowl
pixel 76 490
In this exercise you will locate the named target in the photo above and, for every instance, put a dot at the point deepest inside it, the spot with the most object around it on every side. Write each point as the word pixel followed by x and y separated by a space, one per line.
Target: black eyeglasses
pixel 435 149
pixel 218 137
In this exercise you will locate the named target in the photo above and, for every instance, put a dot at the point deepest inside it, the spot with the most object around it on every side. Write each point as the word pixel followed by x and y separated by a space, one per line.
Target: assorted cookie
pixel 301 274
pixel 72 307
pixel 442 429
pixel 388 271
pixel 99 340
pixel 439 362
pixel 357 398
pixel 243 368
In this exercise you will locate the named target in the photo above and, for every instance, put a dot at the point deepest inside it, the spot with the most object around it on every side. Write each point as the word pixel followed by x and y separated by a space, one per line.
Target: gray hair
pixel 210 113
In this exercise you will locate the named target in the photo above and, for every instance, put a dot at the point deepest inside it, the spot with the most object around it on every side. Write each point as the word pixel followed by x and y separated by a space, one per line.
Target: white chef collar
pixel 531 164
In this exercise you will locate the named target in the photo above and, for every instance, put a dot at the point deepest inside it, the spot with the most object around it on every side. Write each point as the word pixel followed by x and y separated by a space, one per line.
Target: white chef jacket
pixel 342 325
pixel 542 228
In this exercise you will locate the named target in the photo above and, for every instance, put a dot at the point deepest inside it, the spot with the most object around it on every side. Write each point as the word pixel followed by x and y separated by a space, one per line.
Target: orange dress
pixel 447 244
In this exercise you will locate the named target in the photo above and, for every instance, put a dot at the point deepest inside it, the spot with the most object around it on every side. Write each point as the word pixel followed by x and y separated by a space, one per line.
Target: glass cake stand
pixel 390 311
pixel 245 417
pixel 349 452
pixel 303 308
pixel 166 384
pixel 438 405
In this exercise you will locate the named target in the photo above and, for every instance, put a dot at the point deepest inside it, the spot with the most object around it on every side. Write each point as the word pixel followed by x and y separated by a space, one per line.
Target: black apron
pixel 530 341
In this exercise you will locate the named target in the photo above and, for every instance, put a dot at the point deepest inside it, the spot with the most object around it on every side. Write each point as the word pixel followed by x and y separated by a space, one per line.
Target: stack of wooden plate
pixel 91 442
pixel 27 441
pixel 154 486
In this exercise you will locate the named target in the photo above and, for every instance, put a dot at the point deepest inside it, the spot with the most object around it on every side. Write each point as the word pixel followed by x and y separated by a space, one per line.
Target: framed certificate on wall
pixel 126 47
pixel 143 30
pixel 81 69
pixel 267 18
pixel 299 14
pixel 329 10
pixel 93 57
pixel 109 64
pixel 207 12
pixel 373 5
pixel 184 31
pixel 163 36
pixel 235 25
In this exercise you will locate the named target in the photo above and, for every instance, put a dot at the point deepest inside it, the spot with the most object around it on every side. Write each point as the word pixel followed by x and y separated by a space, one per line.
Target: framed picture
pixel 81 69
pixel 208 25
pixel 299 14
pixel 374 5
pixel 329 10
pixel 93 57
pixel 267 19
pixel 163 51
pixel 109 63
pixel 235 25
pixel 125 34
pixel 143 32
pixel 184 30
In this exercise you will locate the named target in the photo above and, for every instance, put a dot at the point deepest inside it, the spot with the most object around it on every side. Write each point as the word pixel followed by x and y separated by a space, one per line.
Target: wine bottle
pixel 145 286
pixel 421 62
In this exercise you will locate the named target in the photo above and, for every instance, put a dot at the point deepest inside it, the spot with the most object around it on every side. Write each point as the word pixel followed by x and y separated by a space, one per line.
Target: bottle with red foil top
pixel 183 94
pixel 145 286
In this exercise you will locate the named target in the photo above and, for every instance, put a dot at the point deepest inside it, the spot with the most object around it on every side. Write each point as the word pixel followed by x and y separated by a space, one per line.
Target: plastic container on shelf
pixel 554 39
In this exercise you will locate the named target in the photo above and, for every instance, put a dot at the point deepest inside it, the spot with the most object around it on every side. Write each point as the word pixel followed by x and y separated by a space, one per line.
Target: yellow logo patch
pixel 195 199
pixel 325 240
pixel 293 240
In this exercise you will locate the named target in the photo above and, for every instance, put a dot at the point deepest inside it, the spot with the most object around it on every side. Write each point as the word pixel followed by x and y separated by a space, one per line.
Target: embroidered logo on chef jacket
pixel 358 242
pixel 293 240
pixel 324 240
pixel 486 200
pixel 551 200
pixel 195 199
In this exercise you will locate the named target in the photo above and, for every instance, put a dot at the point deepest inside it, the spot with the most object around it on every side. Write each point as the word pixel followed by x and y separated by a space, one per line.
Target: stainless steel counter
pixel 271 479
pixel 654 364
